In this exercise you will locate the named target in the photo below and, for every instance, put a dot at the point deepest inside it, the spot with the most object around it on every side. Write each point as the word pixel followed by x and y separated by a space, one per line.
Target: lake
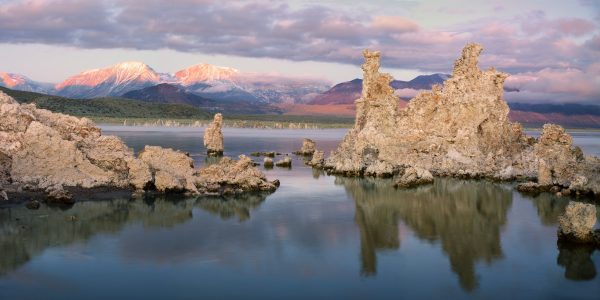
pixel 316 237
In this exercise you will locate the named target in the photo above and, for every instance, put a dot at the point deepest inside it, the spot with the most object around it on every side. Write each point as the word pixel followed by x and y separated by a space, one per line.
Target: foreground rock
pixel 577 224
pixel 459 129
pixel 308 148
pixel 413 177
pixel 213 136
pixel 49 152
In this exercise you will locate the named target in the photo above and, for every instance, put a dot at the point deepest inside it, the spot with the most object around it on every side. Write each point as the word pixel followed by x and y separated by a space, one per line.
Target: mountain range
pixel 223 89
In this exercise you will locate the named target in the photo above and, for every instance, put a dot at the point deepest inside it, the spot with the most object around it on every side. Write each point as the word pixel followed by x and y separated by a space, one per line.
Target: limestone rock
pixel 285 162
pixel 5 166
pixel 237 176
pixel 172 170
pixel 3 195
pixel 460 128
pixel 268 162
pixel 308 148
pixel 414 177
pixel 577 223
pixel 56 194
pixel 318 159
pixel 47 151
pixel 213 137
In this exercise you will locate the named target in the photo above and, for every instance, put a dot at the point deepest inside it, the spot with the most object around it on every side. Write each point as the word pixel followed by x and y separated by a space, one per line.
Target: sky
pixel 551 48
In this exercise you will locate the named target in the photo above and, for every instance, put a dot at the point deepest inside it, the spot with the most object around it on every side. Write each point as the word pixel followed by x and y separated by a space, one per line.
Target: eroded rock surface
pixel 46 152
pixel 577 223
pixel 317 160
pixel 459 129
pixel 213 136
pixel 230 176
pixel 413 177
pixel 308 148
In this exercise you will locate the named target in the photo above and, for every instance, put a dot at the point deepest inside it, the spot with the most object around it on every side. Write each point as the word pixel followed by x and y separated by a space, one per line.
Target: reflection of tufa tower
pixel 463 218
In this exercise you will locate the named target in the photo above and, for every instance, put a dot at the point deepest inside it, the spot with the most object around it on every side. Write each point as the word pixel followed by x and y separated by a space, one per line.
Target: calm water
pixel 318 236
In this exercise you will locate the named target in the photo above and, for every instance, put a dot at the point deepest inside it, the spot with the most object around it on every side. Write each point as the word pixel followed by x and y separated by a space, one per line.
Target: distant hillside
pixel 347 92
pixel 107 107
pixel 171 93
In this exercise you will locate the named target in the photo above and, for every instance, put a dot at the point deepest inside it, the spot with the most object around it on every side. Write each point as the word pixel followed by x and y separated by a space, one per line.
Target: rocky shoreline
pixel 55 155
pixel 460 129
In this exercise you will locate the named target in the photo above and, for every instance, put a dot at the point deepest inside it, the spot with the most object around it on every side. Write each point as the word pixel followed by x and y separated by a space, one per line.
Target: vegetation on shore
pixel 107 107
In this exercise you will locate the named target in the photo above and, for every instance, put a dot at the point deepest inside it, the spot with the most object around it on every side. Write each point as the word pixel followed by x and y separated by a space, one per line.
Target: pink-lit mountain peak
pixel 121 73
pixel 12 80
pixel 204 73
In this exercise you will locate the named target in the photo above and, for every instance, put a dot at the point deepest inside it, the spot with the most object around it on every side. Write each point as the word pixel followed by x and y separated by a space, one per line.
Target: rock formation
pixel 52 153
pixel 459 129
pixel 414 177
pixel 213 137
pixel 268 162
pixel 318 159
pixel 308 148
pixel 231 176
pixel 577 224
pixel 285 162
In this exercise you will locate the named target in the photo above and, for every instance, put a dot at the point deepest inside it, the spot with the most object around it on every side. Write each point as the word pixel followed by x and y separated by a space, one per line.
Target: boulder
pixel 285 162
pixel 172 170
pixel 414 177
pixel 308 148
pixel 56 194
pixel 213 136
pixel 268 162
pixel 577 223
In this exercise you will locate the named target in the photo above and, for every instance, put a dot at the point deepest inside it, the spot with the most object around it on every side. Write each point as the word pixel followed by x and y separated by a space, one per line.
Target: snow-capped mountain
pixel 229 84
pixel 22 83
pixel 111 81
pixel 209 81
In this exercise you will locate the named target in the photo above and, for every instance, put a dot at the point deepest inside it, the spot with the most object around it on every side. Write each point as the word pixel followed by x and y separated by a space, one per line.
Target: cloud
pixel 526 44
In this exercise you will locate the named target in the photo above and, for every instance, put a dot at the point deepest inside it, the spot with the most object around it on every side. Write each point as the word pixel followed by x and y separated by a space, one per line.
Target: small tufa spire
pixel 467 62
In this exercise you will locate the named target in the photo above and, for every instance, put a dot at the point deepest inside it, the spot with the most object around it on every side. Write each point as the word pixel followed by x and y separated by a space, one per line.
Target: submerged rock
pixel 460 128
pixel 213 136
pixel 308 148
pixel 266 153
pixel 34 204
pixel 268 162
pixel 414 177
pixel 285 162
pixel 46 152
pixel 577 223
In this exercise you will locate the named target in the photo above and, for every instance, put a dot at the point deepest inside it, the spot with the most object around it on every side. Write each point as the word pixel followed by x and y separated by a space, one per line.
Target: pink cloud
pixel 395 24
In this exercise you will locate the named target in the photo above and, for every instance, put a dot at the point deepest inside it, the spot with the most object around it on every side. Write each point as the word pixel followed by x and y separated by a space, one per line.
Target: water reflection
pixel 577 261
pixel 25 233
pixel 465 216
